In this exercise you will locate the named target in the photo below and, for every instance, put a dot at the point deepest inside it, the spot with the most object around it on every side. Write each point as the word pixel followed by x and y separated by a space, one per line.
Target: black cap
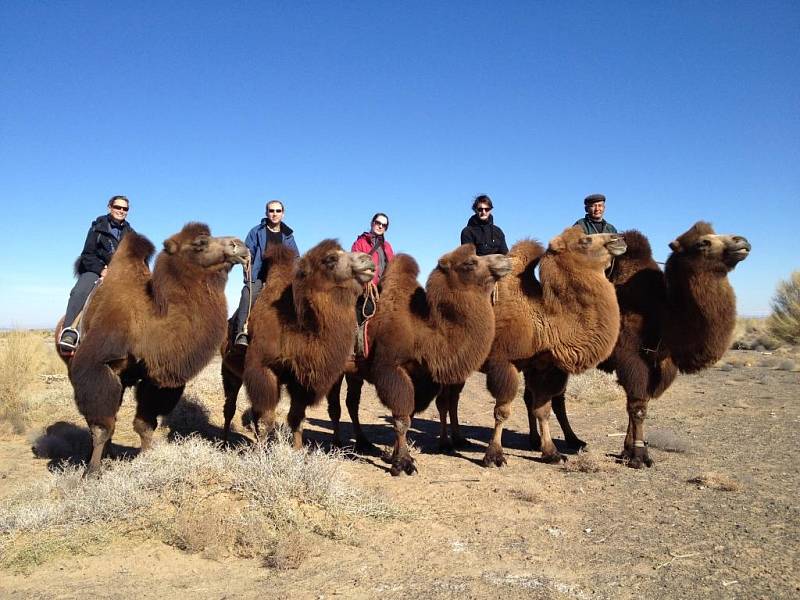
pixel 592 198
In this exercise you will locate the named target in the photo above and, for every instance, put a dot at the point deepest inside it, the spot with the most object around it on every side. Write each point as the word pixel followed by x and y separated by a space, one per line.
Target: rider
pixel 593 222
pixel 481 230
pixel 102 241
pixel 271 230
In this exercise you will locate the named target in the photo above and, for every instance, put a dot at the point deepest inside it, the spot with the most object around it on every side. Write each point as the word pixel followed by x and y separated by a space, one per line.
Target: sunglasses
pixel 483 209
pixel 122 208
pixel 381 223
pixel 274 210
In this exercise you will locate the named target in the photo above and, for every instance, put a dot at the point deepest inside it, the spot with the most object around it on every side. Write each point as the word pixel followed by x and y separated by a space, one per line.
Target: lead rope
pixel 248 269
pixel 370 293
pixel 495 293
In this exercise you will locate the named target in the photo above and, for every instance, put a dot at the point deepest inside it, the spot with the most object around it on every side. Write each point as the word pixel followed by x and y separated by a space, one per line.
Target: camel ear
pixel 444 265
pixel 557 244
pixel 675 246
pixel 170 246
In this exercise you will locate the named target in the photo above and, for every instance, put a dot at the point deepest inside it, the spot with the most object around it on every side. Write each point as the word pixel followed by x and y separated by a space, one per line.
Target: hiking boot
pixel 68 341
pixel 242 340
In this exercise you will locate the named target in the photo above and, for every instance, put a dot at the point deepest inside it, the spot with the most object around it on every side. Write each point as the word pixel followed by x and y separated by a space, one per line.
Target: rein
pixel 248 269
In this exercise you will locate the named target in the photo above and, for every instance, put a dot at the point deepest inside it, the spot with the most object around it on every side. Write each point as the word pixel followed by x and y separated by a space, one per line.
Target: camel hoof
pixel 555 458
pixel 494 457
pixel 637 461
pixel 403 465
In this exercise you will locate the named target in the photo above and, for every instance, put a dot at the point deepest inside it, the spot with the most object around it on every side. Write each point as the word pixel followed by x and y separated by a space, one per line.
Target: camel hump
pixel 402 269
pixel 638 245
pixel 278 254
pixel 526 252
pixel 135 248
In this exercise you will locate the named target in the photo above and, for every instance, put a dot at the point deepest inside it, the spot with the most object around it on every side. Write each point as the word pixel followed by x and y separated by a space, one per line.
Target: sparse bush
pixel 526 495
pixel 194 495
pixel 716 481
pixel 753 334
pixel 587 462
pixel 23 357
pixel 595 387
pixel 784 322
pixel 289 551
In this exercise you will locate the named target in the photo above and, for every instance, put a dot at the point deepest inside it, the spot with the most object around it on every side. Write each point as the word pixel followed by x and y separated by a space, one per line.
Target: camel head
pixel 326 266
pixel 596 250
pixel 716 251
pixel 462 268
pixel 193 248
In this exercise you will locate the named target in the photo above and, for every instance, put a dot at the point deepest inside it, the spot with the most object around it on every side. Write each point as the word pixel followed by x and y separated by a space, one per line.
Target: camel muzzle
pixel 617 246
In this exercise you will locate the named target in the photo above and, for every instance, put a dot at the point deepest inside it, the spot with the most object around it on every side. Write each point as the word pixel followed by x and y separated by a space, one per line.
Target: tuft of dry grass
pixel 588 462
pixel 594 387
pixel 784 322
pixel 192 494
pixel 289 551
pixel 716 481
pixel 668 441
pixel 753 334
pixel 526 495
pixel 24 357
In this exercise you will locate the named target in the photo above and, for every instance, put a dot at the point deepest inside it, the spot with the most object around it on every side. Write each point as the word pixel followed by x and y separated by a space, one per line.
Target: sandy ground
pixel 527 530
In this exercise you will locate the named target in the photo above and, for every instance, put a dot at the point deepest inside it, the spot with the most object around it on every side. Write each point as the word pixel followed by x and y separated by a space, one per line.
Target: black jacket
pixel 100 245
pixel 487 237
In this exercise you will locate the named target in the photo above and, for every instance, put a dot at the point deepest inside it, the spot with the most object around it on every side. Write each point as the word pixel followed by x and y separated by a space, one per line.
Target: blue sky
pixel 203 111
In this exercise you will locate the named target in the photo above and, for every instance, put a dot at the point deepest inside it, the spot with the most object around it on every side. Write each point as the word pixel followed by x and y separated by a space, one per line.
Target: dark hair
pixel 482 199
pixel 115 198
pixel 266 206
pixel 376 215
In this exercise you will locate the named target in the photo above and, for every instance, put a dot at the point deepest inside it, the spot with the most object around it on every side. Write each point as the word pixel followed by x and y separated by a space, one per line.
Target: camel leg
pixel 335 411
pixel 560 410
pixel 152 401
pixel 300 398
pixel 502 382
pixel 533 432
pixel 353 401
pixel 231 384
pixel 101 431
pixel 264 392
pixel 443 405
pixel 540 386
pixel 635 449
pixel 396 391
pixel 459 441
pixel 447 403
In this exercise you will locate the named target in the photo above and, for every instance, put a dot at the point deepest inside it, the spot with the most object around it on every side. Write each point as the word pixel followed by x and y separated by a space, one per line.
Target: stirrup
pixel 68 347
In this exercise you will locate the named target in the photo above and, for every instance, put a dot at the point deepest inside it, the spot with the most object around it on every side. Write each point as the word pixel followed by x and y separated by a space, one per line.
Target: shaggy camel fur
pixel 567 319
pixel 422 339
pixel 302 330
pixel 155 331
pixel 678 320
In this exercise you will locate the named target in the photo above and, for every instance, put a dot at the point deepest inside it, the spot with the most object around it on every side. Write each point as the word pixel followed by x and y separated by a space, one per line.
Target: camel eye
pixel 330 261
pixel 586 241
pixel 469 265
pixel 703 244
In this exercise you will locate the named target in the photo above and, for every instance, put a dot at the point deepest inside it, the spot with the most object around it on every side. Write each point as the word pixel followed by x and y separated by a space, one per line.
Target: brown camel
pixel 677 320
pixel 302 330
pixel 155 331
pixel 422 339
pixel 567 319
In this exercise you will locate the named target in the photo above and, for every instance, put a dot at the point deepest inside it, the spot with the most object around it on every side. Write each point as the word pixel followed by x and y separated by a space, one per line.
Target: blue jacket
pixel 100 245
pixel 256 242
pixel 590 227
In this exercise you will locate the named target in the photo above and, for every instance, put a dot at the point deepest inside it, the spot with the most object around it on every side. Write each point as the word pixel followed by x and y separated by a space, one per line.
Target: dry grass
pixel 595 387
pixel 24 357
pixel 716 481
pixel 191 494
pixel 588 462
pixel 784 322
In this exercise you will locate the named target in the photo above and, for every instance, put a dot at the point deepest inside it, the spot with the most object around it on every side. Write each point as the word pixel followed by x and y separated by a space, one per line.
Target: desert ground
pixel 718 516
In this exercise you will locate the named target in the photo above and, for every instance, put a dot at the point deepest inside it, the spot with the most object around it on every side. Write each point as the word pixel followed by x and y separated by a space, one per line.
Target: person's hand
pixel 103 272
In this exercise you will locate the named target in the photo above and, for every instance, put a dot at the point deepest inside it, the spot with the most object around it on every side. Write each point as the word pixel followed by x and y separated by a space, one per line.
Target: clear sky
pixel 203 111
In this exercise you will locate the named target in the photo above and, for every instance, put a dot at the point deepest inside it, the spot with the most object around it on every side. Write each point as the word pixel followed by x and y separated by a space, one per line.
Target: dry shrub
pixel 784 322
pixel 193 494
pixel 753 333
pixel 595 387
pixel 588 462
pixel 716 481
pixel 23 358
pixel 668 441
pixel 787 364
pixel 289 551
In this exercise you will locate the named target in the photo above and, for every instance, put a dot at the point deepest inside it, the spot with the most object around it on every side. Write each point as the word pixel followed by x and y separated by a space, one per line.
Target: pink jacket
pixel 364 244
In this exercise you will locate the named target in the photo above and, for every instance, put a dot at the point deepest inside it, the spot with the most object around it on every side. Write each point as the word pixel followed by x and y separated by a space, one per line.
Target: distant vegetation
pixel 784 322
